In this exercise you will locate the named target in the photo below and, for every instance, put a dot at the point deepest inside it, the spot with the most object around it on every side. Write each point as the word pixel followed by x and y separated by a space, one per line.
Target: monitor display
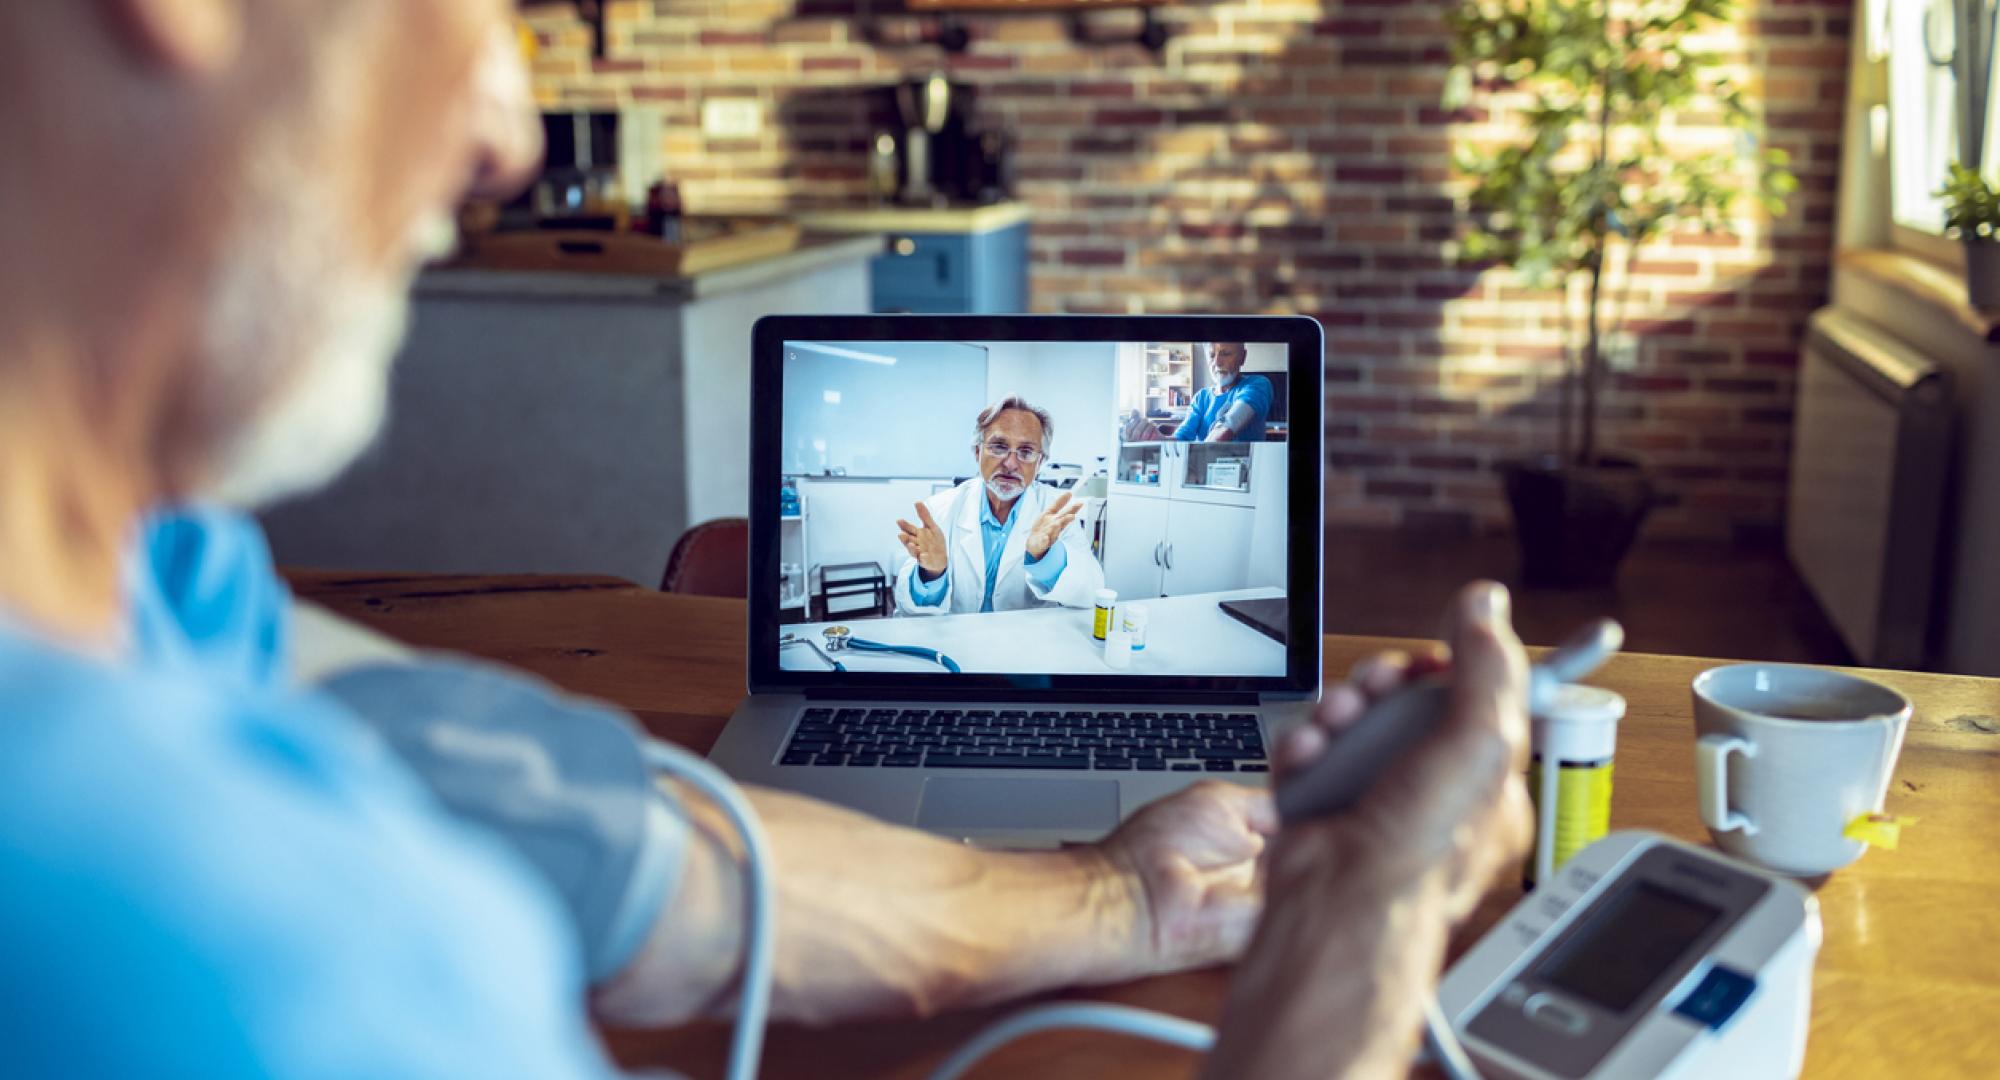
pixel 1005 505
pixel 1634 939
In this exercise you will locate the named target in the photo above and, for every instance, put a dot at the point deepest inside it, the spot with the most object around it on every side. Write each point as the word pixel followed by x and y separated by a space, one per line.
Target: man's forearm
pixel 876 920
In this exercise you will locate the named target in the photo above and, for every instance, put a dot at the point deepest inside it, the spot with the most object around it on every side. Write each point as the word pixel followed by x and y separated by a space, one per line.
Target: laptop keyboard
pixel 1110 741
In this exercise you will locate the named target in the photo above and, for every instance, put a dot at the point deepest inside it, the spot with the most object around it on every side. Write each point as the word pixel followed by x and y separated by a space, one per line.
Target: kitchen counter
pixel 815 251
pixel 566 421
pixel 917 219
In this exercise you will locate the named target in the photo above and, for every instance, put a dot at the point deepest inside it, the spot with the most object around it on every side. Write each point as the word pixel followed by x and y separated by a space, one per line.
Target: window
pixel 1923 116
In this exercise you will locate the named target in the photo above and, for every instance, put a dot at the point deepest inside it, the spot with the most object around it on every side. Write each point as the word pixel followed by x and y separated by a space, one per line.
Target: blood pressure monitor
pixel 1644 957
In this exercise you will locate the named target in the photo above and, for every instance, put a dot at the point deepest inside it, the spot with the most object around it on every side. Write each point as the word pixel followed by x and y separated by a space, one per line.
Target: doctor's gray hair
pixel 1013 401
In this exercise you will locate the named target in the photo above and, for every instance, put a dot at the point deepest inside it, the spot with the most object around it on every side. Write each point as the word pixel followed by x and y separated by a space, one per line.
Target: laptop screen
pixel 1034 508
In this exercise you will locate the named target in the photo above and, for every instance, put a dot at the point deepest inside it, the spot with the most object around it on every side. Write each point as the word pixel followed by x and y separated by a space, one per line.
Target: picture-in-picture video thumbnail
pixel 1032 508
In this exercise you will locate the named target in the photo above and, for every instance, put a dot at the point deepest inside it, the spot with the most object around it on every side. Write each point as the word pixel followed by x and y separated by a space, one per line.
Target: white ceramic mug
pixel 1788 755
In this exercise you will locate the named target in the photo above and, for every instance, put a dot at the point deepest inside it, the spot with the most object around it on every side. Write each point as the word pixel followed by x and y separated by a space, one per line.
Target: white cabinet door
pixel 1208 549
pixel 1143 456
pixel 1135 534
pixel 1192 471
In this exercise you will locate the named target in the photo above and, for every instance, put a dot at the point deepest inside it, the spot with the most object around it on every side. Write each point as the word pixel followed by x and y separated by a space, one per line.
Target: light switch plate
pixel 732 118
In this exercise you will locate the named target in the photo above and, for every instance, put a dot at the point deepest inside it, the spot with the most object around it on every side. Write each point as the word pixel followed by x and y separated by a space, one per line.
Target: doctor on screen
pixel 998 541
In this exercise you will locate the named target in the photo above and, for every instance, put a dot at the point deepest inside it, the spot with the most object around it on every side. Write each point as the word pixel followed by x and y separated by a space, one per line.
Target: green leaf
pixel 1547 203
pixel 1457 87
pixel 1972 206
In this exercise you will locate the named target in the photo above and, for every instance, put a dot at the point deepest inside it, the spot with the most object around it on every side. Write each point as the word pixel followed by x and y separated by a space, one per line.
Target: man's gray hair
pixel 1210 346
pixel 1013 401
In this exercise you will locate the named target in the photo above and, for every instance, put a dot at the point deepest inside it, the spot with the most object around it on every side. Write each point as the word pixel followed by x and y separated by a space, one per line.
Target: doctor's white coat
pixel 957 513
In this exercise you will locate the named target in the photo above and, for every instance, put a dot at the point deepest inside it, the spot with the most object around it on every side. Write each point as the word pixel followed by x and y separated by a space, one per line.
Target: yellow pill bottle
pixel 1100 619
pixel 1575 740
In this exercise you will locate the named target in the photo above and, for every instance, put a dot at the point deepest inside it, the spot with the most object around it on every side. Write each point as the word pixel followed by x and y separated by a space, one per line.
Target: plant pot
pixel 1575 523
pixel 1982 274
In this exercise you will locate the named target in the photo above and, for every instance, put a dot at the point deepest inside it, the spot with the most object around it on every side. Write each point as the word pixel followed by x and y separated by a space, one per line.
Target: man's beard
pixel 298 341
pixel 301 324
pixel 997 484
pixel 1223 379
pixel 332 408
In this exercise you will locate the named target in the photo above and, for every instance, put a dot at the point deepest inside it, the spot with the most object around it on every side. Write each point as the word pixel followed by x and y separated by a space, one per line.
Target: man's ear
pixel 189 37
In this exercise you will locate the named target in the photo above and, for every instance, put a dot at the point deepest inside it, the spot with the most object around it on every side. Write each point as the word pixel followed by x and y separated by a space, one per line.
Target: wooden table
pixel 1908 982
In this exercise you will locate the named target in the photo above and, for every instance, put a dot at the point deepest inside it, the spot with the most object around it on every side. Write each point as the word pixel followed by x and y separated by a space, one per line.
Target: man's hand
pixel 1334 981
pixel 1139 429
pixel 1051 524
pixel 926 544
pixel 1194 860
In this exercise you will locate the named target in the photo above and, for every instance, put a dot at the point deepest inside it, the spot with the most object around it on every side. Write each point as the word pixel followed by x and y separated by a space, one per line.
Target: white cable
pixel 1123 1019
pixel 1439 1038
pixel 747 1044
pixel 1446 1051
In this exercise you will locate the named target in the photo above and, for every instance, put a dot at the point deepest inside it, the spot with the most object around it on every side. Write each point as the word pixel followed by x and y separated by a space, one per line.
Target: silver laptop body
pixel 1065 743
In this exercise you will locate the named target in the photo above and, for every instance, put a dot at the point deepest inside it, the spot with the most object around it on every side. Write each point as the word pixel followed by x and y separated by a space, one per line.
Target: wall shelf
pixel 951 34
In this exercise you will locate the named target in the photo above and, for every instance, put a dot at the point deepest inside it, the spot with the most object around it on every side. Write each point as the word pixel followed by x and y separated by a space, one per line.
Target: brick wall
pixel 1291 155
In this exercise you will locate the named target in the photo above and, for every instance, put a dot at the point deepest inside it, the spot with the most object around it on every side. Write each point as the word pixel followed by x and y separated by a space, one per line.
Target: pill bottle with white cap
pixel 1134 617
pixel 1575 739
pixel 1100 623
pixel 1118 649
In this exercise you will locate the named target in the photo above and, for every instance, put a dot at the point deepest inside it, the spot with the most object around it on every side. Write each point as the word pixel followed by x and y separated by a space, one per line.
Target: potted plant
pixel 1972 213
pixel 1591 177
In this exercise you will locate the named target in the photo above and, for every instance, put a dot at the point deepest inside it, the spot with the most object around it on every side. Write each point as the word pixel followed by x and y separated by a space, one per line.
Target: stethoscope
pixel 841 639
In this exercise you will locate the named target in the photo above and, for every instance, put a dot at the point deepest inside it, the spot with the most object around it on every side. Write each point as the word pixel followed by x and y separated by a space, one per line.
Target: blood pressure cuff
pixel 560 780
pixel 1238 416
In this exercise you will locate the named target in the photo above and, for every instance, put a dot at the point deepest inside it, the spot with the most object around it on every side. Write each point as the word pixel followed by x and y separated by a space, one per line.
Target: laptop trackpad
pixel 970 802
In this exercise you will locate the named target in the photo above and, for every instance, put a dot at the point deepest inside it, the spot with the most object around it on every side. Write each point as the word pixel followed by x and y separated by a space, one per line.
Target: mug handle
pixel 1711 772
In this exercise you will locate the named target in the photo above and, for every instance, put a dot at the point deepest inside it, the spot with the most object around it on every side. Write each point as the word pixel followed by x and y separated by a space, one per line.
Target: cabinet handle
pixel 904 246
pixel 1157 548
pixel 1170 556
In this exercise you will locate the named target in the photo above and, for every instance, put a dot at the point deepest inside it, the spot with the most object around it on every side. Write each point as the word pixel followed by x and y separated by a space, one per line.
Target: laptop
pixel 1052 641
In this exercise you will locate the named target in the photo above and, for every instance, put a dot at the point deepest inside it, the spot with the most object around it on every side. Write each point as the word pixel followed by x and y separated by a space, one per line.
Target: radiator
pixel 1871 445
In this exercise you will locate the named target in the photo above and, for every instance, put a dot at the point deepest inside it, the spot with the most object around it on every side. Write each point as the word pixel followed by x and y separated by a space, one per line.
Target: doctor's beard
pixel 1006 487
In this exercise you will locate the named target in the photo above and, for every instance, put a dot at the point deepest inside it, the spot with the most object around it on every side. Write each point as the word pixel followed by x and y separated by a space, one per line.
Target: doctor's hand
pixel 925 544
pixel 1362 903
pixel 1051 524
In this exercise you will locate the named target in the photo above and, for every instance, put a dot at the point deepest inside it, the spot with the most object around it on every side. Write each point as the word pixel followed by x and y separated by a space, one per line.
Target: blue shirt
pixel 1210 407
pixel 206 871
pixel 993 537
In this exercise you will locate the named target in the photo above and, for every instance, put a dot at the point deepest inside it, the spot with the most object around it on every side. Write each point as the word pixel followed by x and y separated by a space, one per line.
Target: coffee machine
pixel 941 157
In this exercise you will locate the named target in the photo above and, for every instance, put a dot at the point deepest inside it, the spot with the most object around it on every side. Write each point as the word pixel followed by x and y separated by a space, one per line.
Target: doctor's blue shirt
pixel 208 871
pixel 993 540
pixel 1210 407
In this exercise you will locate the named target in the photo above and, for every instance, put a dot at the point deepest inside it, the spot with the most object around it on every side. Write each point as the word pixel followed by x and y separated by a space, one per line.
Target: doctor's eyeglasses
pixel 1026 454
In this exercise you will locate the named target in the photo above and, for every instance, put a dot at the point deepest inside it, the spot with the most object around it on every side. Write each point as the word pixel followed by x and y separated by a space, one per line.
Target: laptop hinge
pixel 1177 699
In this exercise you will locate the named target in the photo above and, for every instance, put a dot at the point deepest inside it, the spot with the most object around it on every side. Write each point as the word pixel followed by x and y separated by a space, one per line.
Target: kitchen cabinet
pixel 938 262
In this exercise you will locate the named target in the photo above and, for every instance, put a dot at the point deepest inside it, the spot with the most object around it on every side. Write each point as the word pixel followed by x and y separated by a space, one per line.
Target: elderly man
pixel 209 212
pixel 983 558
pixel 1232 409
